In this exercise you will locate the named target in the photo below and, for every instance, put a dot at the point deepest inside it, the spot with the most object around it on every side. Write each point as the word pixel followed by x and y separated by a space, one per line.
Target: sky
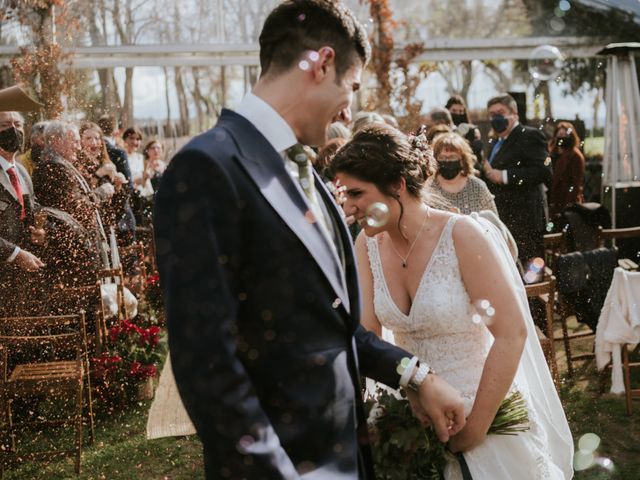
pixel 149 96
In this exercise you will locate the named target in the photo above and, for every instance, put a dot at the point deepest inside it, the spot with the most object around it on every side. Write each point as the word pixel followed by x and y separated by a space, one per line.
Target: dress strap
pixel 375 262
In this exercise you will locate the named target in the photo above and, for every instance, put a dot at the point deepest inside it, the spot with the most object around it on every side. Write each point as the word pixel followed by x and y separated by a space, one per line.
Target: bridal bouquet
pixel 403 449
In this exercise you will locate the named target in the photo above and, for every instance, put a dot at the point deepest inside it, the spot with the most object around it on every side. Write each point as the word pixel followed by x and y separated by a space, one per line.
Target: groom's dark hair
pixel 297 26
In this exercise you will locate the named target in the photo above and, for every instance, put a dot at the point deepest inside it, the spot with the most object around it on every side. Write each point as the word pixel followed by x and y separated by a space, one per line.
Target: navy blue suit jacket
pixel 520 202
pixel 265 340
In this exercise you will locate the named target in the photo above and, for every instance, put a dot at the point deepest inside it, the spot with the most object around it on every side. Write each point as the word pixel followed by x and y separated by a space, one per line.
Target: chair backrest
pixel 555 244
pixel 616 234
pixel 44 336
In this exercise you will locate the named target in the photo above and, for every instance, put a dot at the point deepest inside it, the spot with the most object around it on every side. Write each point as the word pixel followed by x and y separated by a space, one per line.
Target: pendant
pixel 404 264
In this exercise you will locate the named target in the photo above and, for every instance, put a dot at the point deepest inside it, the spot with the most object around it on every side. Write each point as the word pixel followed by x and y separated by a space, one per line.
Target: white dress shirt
pixel 281 137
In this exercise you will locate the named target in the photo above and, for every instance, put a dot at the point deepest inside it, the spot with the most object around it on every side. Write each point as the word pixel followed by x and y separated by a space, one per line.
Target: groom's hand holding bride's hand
pixel 439 404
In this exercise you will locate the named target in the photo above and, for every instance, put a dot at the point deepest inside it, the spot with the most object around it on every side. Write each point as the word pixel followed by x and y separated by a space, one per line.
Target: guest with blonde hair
pixel 455 180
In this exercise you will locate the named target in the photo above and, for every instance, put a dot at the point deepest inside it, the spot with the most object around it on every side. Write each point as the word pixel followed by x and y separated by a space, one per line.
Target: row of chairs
pixel 48 357
pixel 546 291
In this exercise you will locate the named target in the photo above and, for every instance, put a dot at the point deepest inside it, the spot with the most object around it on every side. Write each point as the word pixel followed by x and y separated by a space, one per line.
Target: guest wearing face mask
pixel 471 133
pixel 567 185
pixel 20 239
pixel 516 171
pixel 455 180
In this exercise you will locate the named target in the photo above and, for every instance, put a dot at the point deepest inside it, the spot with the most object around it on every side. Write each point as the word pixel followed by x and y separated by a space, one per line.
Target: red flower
pixel 114 333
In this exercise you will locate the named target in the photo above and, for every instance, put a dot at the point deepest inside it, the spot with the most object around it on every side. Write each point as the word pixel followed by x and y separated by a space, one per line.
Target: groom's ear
pixel 321 61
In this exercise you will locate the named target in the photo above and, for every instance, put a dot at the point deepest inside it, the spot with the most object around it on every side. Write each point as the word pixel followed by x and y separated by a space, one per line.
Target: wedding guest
pixel 464 127
pixel 101 174
pixel 390 120
pixel 31 157
pixel 362 119
pixel 19 238
pixel 126 223
pixel 154 166
pixel 338 130
pixel 436 130
pixel 516 173
pixel 438 116
pixel 325 155
pixel 132 138
pixel 455 178
pixel 59 184
pixel 567 184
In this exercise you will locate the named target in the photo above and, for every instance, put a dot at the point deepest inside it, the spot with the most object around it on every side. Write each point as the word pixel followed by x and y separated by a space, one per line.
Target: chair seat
pixel 35 372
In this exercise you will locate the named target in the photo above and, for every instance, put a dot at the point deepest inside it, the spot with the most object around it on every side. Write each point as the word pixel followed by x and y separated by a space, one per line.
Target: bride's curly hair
pixel 382 155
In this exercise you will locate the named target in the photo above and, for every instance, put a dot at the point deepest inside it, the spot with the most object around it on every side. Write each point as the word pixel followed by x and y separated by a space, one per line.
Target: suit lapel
pixel 6 183
pixel 266 168
pixel 351 274
pixel 501 160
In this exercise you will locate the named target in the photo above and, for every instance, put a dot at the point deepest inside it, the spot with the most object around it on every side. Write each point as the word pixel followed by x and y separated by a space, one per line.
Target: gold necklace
pixel 404 259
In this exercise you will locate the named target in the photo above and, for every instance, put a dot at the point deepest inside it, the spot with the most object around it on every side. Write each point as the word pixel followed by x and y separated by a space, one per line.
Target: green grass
pixel 121 451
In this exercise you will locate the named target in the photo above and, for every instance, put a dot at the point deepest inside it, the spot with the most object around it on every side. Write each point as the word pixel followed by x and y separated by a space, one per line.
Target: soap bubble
pixel 377 215
pixel 484 311
pixel 589 442
pixel 583 460
pixel 545 62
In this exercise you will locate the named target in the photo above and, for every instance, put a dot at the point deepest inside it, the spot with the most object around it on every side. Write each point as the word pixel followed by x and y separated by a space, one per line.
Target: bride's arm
pixel 485 278
pixel 365 277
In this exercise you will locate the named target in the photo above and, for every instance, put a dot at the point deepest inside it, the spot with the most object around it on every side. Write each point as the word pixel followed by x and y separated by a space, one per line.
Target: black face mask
pixel 449 170
pixel 11 140
pixel 459 118
pixel 499 123
pixel 565 142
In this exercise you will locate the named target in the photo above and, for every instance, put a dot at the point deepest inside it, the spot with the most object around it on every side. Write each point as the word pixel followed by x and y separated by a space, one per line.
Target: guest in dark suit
pixel 259 277
pixel 127 222
pixel 516 170
pixel 19 239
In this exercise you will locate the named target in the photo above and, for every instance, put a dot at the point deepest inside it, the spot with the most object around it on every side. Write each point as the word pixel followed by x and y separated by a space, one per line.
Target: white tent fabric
pixel 621 161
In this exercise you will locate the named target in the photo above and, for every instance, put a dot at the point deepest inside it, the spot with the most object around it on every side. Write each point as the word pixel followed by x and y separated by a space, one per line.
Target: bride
pixel 423 274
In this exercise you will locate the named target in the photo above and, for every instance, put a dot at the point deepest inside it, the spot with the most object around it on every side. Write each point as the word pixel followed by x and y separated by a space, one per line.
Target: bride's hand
pixel 469 437
pixel 443 405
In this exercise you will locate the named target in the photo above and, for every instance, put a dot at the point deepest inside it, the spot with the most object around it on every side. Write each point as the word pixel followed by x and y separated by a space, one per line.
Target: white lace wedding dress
pixel 440 330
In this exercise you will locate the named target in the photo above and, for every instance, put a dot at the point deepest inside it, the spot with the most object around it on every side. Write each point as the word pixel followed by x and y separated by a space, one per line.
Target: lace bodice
pixel 439 327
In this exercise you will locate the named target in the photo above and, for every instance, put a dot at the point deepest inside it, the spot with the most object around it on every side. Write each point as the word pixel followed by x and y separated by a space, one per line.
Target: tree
pixel 39 65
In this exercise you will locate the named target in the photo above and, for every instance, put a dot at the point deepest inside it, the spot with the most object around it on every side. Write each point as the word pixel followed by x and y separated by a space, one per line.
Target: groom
pixel 259 276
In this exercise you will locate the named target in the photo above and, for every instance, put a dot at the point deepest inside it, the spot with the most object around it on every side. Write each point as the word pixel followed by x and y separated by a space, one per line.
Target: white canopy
pixel 621 162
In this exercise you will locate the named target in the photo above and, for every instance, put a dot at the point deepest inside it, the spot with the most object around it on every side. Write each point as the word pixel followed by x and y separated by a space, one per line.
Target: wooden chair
pixel 115 275
pixel 546 291
pixel 66 300
pixel 60 368
pixel 146 234
pixel 612 234
pixel 629 392
pixel 136 250
pixel 554 245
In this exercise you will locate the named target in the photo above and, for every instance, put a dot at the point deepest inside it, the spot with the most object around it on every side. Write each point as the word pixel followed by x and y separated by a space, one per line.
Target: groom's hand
pixel 443 405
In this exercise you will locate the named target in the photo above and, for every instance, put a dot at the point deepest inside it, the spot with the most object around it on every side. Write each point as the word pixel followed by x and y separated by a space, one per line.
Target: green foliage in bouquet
pixel 403 449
